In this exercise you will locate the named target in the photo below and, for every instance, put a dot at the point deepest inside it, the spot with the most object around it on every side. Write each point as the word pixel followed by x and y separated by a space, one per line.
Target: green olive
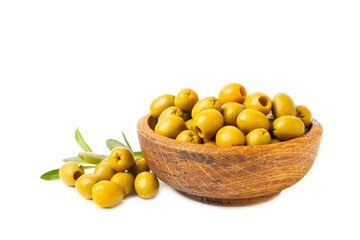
pixel 84 184
pixel 232 92
pixel 105 160
pixel 304 114
pixel 288 127
pixel 107 194
pixel 230 111
pixel 139 166
pixel 274 140
pixel 146 185
pixel 121 159
pixel 124 180
pixel 160 104
pixel 188 136
pixel 70 172
pixel 258 101
pixel 205 103
pixel 249 119
pixel 207 123
pixel 103 171
pixel 283 105
pixel 210 143
pixel 258 136
pixel 186 99
pixel 171 111
pixel 189 124
pixel 229 136
pixel 170 126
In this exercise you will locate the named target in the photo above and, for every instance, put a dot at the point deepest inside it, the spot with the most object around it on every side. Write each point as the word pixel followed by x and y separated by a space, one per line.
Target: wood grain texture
pixel 228 175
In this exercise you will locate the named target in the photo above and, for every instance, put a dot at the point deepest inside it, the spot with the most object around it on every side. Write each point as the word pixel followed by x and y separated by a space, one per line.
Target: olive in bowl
pixel 170 126
pixel 232 92
pixel 207 123
pixel 250 119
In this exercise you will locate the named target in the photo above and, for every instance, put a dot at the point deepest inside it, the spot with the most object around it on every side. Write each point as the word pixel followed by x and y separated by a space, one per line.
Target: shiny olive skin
pixel 84 184
pixel 258 101
pixel 207 123
pixel 124 180
pixel 304 114
pixel 230 111
pixel 103 171
pixel 170 126
pixel 139 166
pixel 232 92
pixel 210 143
pixel 70 172
pixel 274 140
pixel 121 159
pixel 283 105
pixel 189 136
pixel 249 119
pixel 105 160
pixel 161 103
pixel 107 194
pixel 186 99
pixel 171 111
pixel 258 136
pixel 229 136
pixel 205 103
pixel 146 185
pixel 189 124
pixel 288 127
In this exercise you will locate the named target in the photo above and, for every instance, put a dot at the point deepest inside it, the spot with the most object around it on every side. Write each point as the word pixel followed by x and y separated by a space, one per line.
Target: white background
pixel 97 65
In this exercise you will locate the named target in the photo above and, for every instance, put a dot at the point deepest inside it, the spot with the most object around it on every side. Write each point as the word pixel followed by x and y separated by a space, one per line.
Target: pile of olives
pixel 112 179
pixel 232 119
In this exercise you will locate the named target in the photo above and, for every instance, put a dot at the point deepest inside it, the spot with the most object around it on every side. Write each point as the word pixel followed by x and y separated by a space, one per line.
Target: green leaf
pixel 54 174
pixel 51 175
pixel 126 141
pixel 88 167
pixel 73 159
pixel 92 158
pixel 138 154
pixel 80 140
pixel 112 143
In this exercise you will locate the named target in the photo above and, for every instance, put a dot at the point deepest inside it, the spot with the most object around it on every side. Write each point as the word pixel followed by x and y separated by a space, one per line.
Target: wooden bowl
pixel 233 175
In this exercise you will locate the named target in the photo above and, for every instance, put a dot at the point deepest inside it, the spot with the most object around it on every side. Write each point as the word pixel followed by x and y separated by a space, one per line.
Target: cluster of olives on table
pixel 233 119
pixel 112 179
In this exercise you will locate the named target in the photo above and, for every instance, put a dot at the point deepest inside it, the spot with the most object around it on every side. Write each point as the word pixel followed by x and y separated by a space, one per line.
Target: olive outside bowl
pixel 231 175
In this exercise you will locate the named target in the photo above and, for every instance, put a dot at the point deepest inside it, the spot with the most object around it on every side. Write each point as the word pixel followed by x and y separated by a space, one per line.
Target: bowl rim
pixel 313 134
